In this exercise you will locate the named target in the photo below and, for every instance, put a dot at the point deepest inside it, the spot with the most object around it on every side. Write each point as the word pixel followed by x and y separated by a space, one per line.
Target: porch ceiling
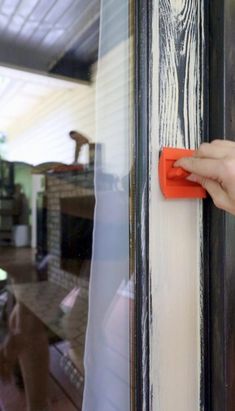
pixel 59 36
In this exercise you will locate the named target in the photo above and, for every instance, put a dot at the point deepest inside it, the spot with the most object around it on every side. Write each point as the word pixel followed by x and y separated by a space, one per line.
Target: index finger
pixel 209 168
pixel 213 151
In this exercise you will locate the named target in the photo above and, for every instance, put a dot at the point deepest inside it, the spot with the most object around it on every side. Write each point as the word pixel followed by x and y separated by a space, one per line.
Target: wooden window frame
pixel 219 227
pixel 142 29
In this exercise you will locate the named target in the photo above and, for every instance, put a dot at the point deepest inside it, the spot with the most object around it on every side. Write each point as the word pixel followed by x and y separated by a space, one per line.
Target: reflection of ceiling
pixel 48 34
pixel 20 92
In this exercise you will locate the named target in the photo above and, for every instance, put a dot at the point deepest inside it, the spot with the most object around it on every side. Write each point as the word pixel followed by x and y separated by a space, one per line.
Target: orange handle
pixel 177 174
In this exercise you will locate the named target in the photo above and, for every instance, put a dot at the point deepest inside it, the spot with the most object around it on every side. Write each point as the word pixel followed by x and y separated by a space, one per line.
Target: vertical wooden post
pixel 176 243
pixel 220 235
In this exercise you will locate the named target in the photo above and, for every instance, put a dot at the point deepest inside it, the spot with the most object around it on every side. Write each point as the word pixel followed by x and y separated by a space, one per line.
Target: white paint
pixel 175 225
pixel 174 247
pixel 177 5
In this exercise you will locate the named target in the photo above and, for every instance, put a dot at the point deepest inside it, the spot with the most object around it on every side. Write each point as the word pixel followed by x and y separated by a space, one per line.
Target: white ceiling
pixel 20 92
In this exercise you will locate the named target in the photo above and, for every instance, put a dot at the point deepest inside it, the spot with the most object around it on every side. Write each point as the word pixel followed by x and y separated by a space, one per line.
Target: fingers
pixel 213 151
pixel 201 167
pixel 215 190
pixel 224 143
pixel 212 187
pixel 213 166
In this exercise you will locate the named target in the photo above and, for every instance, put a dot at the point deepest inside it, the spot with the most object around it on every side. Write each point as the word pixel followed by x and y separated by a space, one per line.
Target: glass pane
pixel 66 278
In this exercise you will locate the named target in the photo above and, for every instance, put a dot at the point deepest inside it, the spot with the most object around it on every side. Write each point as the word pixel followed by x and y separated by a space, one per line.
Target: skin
pixel 213 166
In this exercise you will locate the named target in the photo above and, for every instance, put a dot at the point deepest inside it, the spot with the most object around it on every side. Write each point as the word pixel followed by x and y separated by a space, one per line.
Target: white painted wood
pixel 175 244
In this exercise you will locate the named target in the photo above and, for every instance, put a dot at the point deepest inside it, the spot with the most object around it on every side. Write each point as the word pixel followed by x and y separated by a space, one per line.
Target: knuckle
pixel 203 147
pixel 191 162
pixel 218 203
pixel 228 166
pixel 204 182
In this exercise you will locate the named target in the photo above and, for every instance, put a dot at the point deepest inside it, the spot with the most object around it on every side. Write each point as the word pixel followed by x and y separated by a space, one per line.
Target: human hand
pixel 213 166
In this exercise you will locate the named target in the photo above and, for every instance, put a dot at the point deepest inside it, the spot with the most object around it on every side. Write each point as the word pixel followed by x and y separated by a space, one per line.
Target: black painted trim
pixel 205 381
pixel 143 26
pixel 219 233
pixel 69 66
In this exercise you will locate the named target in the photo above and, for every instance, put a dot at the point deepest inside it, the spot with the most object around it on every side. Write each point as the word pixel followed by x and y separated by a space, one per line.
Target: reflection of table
pixel 46 300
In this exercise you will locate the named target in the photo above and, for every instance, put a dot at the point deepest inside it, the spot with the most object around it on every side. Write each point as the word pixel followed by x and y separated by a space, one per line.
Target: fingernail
pixel 192 178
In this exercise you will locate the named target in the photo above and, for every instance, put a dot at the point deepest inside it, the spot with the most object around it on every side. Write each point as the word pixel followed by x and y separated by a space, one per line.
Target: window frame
pixel 143 41
pixel 219 227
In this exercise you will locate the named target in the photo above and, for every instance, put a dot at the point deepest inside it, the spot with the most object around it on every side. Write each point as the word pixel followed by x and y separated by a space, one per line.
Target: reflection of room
pixel 46 210
pixel 37 112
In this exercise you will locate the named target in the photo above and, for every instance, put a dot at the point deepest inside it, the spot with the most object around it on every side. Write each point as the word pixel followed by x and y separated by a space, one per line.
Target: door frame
pixel 143 41
pixel 219 232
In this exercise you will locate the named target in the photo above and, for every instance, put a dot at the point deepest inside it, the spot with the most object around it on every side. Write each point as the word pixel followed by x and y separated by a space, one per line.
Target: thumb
pixel 215 190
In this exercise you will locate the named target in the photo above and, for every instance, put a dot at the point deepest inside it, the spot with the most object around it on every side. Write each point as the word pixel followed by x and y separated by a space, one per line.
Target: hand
pixel 213 166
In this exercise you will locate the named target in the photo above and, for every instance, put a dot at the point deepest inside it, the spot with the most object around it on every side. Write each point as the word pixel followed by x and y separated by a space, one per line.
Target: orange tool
pixel 173 180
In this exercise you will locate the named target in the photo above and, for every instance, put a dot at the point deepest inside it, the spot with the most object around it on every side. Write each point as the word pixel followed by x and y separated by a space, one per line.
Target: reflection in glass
pixel 66 293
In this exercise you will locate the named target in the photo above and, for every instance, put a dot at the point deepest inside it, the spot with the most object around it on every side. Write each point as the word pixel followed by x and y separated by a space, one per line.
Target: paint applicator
pixel 173 180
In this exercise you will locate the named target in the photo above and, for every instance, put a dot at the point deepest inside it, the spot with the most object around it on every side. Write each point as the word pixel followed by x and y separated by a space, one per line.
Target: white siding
pixel 112 110
pixel 42 134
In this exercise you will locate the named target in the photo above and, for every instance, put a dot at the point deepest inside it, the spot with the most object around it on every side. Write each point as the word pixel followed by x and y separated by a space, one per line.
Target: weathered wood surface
pixel 180 94
pixel 176 226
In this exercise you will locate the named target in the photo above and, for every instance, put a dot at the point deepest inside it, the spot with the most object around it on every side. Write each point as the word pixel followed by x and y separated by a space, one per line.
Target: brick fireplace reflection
pixel 70 209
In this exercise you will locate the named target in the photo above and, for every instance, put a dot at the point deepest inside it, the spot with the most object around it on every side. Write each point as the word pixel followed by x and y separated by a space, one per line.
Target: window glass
pixel 66 283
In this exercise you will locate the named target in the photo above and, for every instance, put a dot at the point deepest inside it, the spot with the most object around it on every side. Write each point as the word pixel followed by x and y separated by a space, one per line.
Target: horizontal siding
pixel 100 111
pixel 43 133
pixel 112 109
